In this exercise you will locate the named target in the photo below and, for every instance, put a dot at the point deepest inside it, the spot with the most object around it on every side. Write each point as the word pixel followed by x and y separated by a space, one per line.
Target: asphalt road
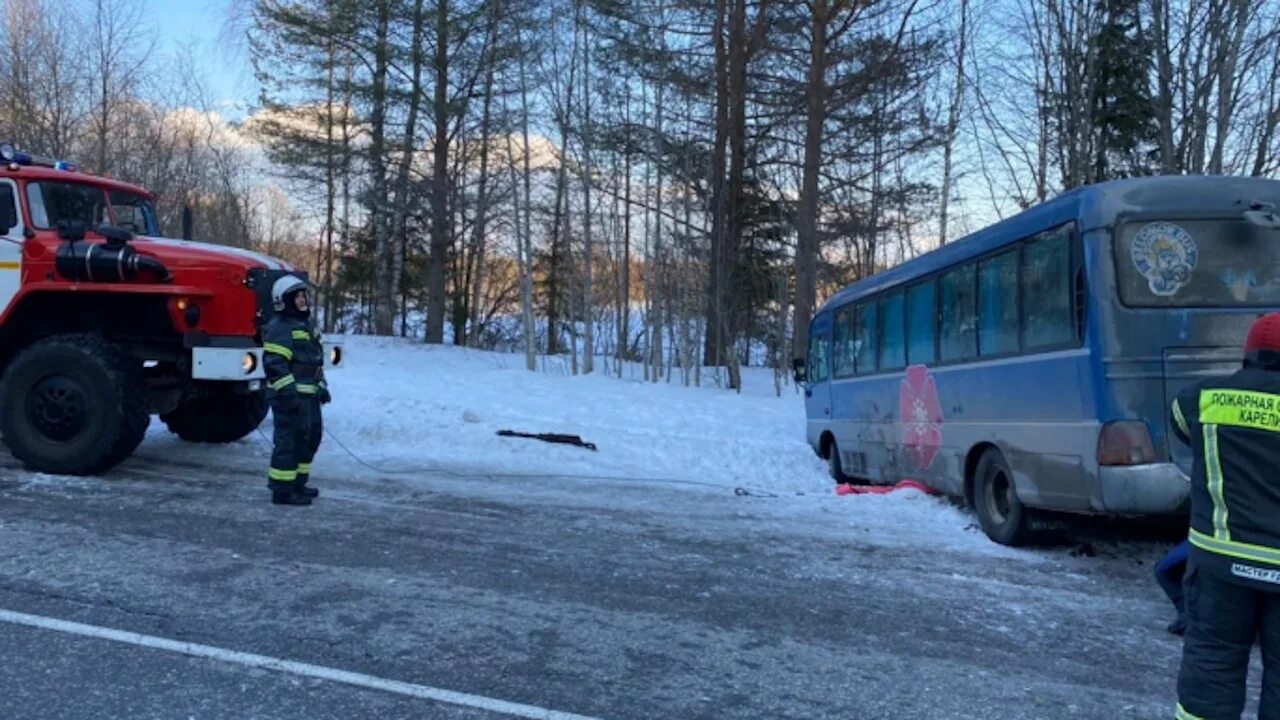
pixel 603 599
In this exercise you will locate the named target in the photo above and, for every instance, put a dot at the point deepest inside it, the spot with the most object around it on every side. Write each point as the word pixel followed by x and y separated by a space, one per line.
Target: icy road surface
pixel 608 598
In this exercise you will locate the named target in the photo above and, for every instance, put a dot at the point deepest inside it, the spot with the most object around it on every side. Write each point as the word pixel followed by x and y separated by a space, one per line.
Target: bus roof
pixel 37 172
pixel 1094 206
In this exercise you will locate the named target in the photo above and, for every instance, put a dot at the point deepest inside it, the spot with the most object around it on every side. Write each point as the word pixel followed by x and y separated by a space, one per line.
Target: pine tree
pixel 1123 107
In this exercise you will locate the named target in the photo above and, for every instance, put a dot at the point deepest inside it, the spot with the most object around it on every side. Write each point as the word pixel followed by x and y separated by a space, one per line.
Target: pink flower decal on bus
pixel 920 415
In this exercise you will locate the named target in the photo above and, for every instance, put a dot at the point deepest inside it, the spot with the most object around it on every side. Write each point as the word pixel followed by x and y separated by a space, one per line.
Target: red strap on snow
pixel 847 489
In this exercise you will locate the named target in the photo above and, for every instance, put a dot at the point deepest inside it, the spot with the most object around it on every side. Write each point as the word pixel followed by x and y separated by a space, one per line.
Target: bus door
pixel 817 390
pixel 11 239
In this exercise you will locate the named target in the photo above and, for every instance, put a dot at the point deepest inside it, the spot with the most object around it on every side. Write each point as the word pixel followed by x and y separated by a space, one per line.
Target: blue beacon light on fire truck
pixel 10 154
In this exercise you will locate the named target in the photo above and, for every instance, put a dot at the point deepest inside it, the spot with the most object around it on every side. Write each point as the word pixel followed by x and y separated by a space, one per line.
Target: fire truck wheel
pixel 134 431
pixel 217 415
pixel 73 405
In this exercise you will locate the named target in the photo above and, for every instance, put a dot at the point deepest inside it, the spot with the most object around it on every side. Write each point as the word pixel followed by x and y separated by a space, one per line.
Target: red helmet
pixel 1264 335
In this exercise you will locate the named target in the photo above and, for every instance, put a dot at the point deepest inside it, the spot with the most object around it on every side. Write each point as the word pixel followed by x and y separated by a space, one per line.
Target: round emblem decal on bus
pixel 920 415
pixel 1166 255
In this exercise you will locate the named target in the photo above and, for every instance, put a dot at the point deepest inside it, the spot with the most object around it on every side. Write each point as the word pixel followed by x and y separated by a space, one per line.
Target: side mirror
pixel 799 371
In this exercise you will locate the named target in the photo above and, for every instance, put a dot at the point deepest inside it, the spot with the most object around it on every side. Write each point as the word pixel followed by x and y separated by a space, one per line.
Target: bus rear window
pixel 1198 263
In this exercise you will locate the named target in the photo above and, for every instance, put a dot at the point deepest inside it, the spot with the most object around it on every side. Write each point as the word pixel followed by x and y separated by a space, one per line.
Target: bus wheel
pixel 1003 517
pixel 833 463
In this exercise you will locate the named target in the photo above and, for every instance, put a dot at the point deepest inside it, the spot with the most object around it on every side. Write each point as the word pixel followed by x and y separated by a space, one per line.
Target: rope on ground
pixel 738 490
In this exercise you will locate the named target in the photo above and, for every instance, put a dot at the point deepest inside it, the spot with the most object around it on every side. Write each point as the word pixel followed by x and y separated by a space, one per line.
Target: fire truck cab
pixel 103 323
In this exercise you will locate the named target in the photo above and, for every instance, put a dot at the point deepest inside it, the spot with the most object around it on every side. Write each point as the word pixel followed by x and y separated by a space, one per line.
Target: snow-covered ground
pixel 425 411
pixel 401 402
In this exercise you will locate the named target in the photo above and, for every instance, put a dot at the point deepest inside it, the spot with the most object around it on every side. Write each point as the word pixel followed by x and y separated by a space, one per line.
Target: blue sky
pixel 198 24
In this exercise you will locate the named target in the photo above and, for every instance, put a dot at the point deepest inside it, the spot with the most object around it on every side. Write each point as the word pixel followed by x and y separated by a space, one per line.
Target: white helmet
pixel 283 286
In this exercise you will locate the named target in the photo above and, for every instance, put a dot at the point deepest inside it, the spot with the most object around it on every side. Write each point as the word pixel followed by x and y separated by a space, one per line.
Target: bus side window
pixel 893 339
pixel 922 324
pixel 998 305
pixel 866 343
pixel 843 350
pixel 817 365
pixel 959 317
pixel 1049 319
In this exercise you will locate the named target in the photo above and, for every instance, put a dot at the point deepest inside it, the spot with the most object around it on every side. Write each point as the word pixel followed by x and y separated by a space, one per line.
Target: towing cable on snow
pixel 738 490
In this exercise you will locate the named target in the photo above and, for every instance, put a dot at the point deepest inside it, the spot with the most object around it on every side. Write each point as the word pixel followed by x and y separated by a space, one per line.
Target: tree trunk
pixel 482 200
pixel 400 218
pixel 558 233
pixel 731 319
pixel 624 281
pixel 780 338
pixel 384 301
pixel 1228 64
pixel 953 123
pixel 346 155
pixel 1160 20
pixel 526 281
pixel 441 225
pixel 713 352
pixel 588 254
pixel 659 252
pixel 330 193
pixel 807 220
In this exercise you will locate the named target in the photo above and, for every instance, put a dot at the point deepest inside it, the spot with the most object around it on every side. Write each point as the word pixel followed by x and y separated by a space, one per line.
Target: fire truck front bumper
pixel 227 363
pixel 243 363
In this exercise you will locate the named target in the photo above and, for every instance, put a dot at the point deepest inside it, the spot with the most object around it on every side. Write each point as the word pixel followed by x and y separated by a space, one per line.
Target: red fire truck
pixel 103 323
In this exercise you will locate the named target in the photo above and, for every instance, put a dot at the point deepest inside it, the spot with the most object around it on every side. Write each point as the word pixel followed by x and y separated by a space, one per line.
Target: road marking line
pixel 265 662
pixel 6 265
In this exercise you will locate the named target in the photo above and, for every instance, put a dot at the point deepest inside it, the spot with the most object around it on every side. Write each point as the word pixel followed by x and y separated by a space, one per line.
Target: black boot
pixel 289 497
pixel 305 491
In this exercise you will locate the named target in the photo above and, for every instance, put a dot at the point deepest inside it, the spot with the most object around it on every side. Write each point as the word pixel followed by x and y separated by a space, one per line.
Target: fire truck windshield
pixel 133 212
pixel 54 202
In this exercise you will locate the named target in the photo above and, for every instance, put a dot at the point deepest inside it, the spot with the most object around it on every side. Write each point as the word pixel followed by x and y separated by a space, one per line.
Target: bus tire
pixel 1002 515
pixel 834 465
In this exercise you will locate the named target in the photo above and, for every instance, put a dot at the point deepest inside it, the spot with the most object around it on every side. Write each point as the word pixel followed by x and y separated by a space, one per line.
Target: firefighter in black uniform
pixel 294 365
pixel 1232 583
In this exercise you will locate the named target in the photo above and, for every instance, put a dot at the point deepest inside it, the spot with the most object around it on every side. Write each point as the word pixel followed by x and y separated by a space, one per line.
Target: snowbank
pixel 401 402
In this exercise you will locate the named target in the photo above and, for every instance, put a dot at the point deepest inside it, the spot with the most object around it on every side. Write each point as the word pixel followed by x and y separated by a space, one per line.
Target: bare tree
pixel 384 301
pixel 953 123
pixel 400 212
pixel 523 222
pixel 122 46
pixel 441 217
pixel 481 226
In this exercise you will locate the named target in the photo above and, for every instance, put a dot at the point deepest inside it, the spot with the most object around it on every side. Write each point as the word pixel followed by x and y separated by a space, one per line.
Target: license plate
pixel 255 385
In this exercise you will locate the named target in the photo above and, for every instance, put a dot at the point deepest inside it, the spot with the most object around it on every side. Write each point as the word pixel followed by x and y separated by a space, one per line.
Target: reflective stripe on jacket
pixel 1232 425
pixel 293 357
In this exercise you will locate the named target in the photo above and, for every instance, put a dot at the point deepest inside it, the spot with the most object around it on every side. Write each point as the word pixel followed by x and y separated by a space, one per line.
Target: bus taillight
pixel 1125 442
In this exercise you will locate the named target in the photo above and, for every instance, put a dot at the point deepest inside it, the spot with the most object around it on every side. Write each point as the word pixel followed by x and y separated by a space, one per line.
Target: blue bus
pixel 1028 368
